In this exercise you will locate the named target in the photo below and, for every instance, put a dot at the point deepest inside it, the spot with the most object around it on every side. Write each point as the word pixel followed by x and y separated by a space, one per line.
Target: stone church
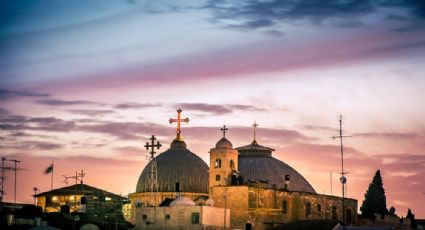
pixel 259 190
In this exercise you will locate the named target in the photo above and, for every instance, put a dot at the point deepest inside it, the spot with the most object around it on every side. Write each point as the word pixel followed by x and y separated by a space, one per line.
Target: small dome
pixel 182 201
pixel 223 143
pixel 209 202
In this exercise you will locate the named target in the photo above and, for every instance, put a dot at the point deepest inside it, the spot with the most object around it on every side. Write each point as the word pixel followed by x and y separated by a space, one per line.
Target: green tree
pixel 411 216
pixel 375 200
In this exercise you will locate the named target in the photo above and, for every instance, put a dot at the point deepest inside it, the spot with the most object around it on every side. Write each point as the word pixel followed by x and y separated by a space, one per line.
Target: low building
pixel 80 198
pixel 182 213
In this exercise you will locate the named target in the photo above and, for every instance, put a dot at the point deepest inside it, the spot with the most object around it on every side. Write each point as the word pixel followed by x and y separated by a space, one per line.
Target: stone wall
pixel 181 217
pixel 264 207
pixel 145 198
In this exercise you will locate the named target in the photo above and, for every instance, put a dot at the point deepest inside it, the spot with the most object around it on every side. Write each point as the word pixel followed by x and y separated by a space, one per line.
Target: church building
pixel 259 190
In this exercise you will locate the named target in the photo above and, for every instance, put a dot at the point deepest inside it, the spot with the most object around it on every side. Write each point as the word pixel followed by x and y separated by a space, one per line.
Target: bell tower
pixel 223 162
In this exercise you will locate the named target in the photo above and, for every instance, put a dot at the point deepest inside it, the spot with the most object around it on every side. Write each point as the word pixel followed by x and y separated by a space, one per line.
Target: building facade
pixel 259 190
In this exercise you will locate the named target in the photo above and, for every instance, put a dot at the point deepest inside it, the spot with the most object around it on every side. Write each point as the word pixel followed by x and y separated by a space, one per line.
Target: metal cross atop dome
pixel 255 125
pixel 152 146
pixel 152 177
pixel 178 120
pixel 224 129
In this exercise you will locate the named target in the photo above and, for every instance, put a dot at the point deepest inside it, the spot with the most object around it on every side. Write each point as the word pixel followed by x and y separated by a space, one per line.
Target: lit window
pixel 54 198
pixel 195 218
pixel 108 198
pixel 218 163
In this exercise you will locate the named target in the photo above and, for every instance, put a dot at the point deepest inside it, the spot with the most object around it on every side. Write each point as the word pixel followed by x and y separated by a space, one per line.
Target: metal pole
pixel 51 180
pixel 342 173
pixel 2 179
pixel 225 206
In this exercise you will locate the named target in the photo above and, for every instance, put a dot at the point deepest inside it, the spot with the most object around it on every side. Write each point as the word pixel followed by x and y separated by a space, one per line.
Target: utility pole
pixel 343 179
pixel 2 179
pixel 15 169
pixel 35 189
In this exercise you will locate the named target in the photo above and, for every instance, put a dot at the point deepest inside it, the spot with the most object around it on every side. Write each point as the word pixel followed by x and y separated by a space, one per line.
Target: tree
pixel 392 211
pixel 411 216
pixel 375 200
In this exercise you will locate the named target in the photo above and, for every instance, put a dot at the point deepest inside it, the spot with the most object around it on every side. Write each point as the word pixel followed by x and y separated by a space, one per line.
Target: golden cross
pixel 255 125
pixel 179 120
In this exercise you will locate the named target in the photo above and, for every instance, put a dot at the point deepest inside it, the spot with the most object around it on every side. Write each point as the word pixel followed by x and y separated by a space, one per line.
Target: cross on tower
pixel 152 176
pixel 178 120
pixel 224 129
pixel 152 146
pixel 255 125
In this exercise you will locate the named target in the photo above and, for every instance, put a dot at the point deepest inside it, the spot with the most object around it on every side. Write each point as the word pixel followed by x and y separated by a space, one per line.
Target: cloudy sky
pixel 85 83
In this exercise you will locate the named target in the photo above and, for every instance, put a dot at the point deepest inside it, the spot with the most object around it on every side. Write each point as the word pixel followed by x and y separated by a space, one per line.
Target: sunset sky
pixel 85 83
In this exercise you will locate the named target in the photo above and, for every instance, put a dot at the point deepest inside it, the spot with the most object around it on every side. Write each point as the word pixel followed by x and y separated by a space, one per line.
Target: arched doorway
pixel 248 226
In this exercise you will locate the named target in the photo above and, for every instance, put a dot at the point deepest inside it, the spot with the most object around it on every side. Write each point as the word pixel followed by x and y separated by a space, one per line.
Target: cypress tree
pixel 375 200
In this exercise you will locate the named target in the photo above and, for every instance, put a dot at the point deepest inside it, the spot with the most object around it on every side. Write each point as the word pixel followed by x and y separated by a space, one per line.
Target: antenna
pixel 5 168
pixel 79 176
pixel 343 179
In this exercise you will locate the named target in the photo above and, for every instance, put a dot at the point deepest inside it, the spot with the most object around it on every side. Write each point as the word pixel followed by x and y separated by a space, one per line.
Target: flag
pixel 49 169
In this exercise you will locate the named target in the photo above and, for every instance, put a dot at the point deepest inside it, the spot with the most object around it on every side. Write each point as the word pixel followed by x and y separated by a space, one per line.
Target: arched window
pixel 232 164
pixel 307 209
pixel 218 163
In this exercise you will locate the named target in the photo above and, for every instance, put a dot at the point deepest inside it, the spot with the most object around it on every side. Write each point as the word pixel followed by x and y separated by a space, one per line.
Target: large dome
pixel 177 164
pixel 257 164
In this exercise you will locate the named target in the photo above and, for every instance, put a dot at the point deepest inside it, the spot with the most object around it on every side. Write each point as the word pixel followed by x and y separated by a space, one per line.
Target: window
pixel 218 163
pixel 144 217
pixel 349 216
pixel 195 218
pixel 307 209
pixel 319 208
pixel 232 164
pixel 217 178
pixel 284 207
pixel 167 216
pixel 334 216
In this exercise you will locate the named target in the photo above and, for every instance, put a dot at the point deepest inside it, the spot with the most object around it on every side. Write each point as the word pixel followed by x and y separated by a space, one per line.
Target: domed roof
pixel 223 143
pixel 177 164
pixel 182 201
pixel 256 163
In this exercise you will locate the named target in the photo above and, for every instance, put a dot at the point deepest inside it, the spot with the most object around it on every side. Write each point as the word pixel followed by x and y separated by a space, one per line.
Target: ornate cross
pixel 152 145
pixel 224 129
pixel 178 120
pixel 255 125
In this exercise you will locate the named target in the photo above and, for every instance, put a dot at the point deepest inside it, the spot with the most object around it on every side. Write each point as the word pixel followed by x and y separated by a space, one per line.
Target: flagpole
pixel 51 182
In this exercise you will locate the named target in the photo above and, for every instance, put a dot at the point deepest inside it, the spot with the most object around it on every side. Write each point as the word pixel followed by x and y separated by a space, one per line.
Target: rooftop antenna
pixel 79 176
pixel 15 168
pixel 224 129
pixel 152 177
pixel 343 179
pixel 6 168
